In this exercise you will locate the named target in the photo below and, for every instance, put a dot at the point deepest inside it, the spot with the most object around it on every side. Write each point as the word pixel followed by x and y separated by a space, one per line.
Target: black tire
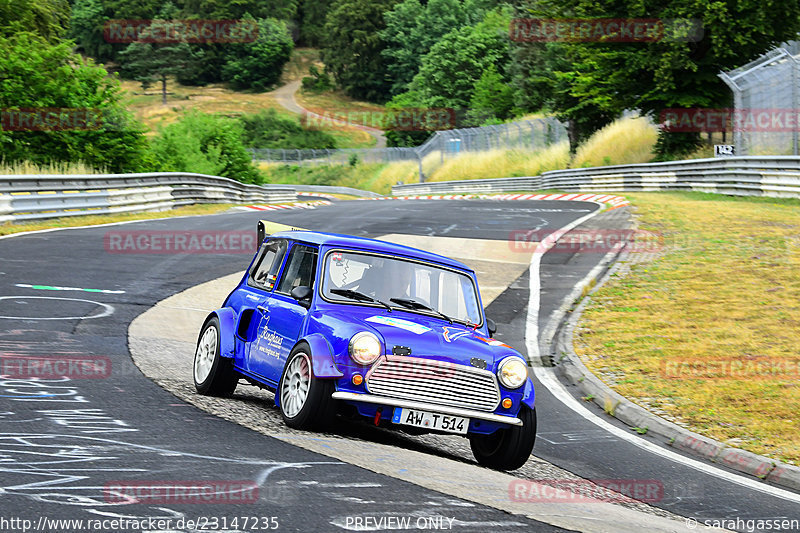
pixel 220 379
pixel 315 410
pixel 507 449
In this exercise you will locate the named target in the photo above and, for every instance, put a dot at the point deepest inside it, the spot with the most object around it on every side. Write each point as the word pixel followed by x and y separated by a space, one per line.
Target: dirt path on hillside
pixel 285 97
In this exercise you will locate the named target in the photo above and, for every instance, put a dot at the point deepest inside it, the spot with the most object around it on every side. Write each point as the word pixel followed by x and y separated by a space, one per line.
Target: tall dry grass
pixel 501 163
pixel 58 167
pixel 624 141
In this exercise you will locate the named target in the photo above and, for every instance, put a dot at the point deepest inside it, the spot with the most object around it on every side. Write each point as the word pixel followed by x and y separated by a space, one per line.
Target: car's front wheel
pixel 305 401
pixel 507 449
pixel 214 375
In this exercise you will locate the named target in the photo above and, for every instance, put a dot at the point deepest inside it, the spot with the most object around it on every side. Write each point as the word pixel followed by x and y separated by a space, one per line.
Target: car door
pixel 261 280
pixel 282 323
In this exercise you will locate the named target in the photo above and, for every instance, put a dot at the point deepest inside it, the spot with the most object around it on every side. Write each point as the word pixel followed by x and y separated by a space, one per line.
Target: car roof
pixel 363 243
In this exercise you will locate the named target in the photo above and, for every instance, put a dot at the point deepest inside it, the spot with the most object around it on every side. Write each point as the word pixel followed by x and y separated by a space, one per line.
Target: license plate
pixel 424 419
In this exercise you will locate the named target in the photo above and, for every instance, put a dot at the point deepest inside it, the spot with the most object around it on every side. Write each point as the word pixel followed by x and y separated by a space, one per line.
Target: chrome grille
pixel 426 380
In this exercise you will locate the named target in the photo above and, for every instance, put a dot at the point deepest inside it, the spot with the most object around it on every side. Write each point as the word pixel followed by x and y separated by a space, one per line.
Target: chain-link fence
pixel 530 135
pixel 766 96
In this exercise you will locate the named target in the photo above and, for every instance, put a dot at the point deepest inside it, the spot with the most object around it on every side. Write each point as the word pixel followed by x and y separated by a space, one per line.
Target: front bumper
pixel 424 406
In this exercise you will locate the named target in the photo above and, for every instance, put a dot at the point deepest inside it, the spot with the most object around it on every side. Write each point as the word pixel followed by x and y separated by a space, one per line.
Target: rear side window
pixel 265 270
pixel 299 270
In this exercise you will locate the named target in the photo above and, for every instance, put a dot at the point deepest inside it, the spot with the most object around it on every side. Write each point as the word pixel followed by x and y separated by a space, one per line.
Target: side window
pixel 300 268
pixel 265 272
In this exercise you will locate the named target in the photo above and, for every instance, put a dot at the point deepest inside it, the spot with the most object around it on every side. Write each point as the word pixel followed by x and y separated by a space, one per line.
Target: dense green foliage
pixel 46 18
pixel 600 79
pixel 257 65
pixel 205 144
pixel 412 29
pixel 270 130
pixel 312 21
pixel 353 45
pixel 73 111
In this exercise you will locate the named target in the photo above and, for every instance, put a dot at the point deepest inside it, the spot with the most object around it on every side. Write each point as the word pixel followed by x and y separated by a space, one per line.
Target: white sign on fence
pixel 724 150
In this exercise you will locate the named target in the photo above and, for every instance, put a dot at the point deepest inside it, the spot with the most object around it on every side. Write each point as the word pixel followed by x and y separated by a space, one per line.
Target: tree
pixel 133 9
pixel 47 18
pixel 312 21
pixel 148 63
pixel 352 48
pixel 493 98
pixel 236 9
pixel 449 71
pixel 258 65
pixel 412 29
pixel 73 110
pixel 204 144
pixel 86 28
pixel 543 77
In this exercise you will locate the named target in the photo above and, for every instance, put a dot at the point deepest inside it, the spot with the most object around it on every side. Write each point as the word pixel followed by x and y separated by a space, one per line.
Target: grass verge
pixel 706 334
pixel 94 220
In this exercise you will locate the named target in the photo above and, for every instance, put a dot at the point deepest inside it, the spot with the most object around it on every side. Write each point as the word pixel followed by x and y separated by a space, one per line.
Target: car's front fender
pixel 529 394
pixel 322 363
pixel 227 330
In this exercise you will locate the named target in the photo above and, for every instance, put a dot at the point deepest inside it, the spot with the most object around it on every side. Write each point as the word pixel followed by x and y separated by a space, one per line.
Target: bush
pixel 270 130
pixel 205 144
pixel 318 81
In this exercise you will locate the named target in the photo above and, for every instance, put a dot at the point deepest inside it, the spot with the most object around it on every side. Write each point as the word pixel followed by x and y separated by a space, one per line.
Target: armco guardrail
pixel 470 186
pixel 740 176
pixel 30 197
pixel 332 189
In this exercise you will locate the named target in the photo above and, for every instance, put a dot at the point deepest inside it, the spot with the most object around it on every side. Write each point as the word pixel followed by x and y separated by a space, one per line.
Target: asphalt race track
pixel 64 442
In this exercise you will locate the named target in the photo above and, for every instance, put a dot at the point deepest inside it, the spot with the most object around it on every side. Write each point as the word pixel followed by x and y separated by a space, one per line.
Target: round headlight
pixel 512 372
pixel 365 348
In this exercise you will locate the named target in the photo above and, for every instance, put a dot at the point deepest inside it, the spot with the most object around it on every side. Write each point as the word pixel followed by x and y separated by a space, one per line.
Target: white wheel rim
pixel 206 352
pixel 295 386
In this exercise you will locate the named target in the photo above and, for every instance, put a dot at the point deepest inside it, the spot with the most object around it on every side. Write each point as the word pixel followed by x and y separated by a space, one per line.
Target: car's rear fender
pixel 322 363
pixel 227 329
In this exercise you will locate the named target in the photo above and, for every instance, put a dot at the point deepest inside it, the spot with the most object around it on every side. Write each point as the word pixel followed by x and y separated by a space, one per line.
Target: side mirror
pixel 491 326
pixel 303 295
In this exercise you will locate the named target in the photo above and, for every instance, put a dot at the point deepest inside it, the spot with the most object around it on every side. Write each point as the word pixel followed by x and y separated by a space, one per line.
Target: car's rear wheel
pixel 213 374
pixel 507 449
pixel 305 401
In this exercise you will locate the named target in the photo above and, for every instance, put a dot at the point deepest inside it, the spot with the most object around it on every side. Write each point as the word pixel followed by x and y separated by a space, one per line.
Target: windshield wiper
pixel 414 304
pixel 360 296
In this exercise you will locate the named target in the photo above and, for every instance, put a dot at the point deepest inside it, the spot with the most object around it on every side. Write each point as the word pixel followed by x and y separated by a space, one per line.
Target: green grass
pixel 724 290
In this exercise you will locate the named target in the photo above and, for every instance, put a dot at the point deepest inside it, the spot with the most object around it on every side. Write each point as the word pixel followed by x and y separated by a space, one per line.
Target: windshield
pixel 396 281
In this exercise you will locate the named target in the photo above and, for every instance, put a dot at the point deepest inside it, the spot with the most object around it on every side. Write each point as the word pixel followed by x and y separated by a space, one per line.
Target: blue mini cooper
pixel 335 324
